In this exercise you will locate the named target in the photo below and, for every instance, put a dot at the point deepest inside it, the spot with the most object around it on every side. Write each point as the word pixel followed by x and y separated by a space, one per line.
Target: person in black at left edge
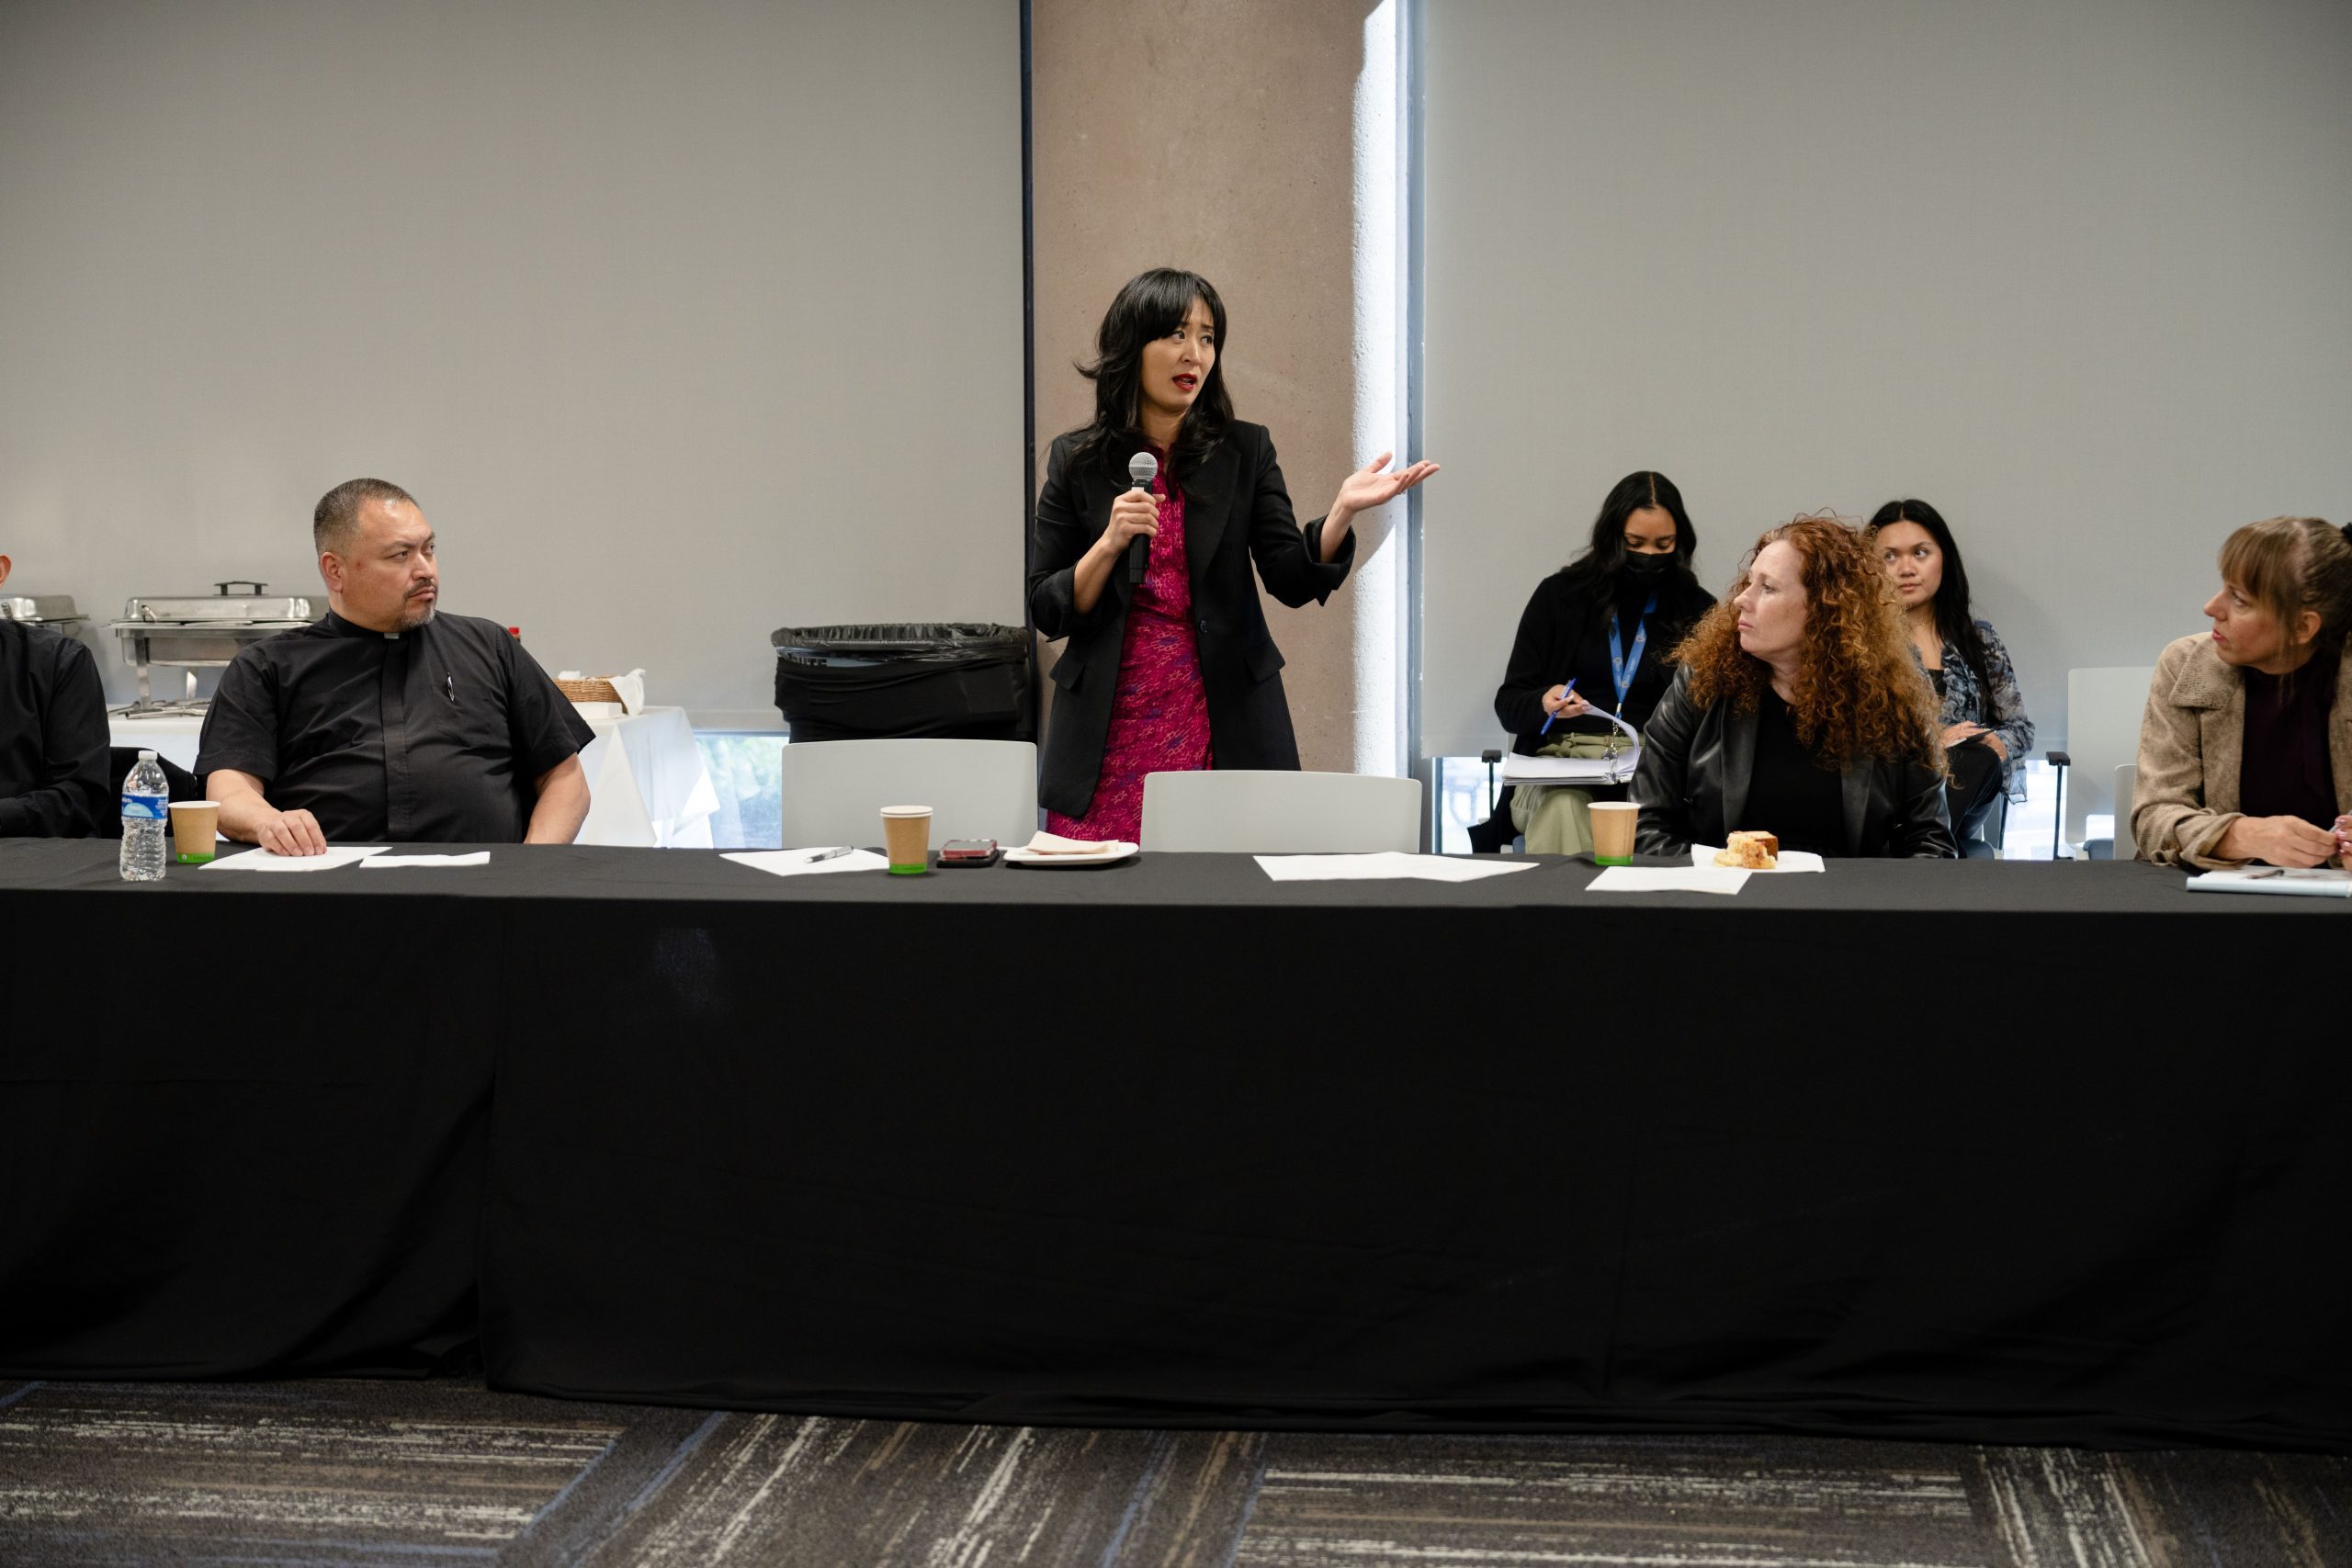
pixel 385 722
pixel 52 734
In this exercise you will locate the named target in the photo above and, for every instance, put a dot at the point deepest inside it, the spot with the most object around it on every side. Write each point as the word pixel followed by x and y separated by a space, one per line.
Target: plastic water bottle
pixel 143 810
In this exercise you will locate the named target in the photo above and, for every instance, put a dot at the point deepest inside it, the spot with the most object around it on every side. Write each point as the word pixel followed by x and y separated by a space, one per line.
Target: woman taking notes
pixel 2246 747
pixel 1595 639
pixel 1985 731
pixel 1177 671
pixel 1799 711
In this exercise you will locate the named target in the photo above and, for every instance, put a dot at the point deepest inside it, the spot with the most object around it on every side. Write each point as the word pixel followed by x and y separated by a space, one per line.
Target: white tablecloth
pixel 646 781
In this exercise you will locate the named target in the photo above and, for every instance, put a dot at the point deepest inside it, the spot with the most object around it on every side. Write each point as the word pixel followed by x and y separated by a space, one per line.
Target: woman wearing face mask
pixel 1605 623
pixel 1178 671
pixel 1985 731
pixel 2246 749
pixel 1798 711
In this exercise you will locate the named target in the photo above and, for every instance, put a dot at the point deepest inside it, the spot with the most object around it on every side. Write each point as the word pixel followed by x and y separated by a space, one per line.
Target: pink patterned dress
pixel 1159 721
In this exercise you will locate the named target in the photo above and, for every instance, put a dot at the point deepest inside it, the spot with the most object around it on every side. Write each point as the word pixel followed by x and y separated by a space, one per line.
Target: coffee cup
pixel 196 828
pixel 906 839
pixel 1613 832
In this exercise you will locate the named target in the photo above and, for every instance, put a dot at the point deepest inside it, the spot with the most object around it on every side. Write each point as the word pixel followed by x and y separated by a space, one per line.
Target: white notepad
pixel 262 860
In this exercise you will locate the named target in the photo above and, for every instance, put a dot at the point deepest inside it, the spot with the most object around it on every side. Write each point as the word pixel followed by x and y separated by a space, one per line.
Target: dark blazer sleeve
pixel 1289 557
pixel 1535 655
pixel 70 801
pixel 1062 536
pixel 1920 828
pixel 1661 781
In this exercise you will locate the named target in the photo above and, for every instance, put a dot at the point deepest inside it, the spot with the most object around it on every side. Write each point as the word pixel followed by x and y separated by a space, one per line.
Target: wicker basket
pixel 594 689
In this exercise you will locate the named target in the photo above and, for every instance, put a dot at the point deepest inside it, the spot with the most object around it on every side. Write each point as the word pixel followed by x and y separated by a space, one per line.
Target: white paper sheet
pixel 1668 879
pixel 1703 856
pixel 1389 865
pixel 803 862
pixel 1572 770
pixel 262 860
pixel 480 857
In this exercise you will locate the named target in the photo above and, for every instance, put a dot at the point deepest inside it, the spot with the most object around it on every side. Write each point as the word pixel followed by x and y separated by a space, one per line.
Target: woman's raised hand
pixel 1368 487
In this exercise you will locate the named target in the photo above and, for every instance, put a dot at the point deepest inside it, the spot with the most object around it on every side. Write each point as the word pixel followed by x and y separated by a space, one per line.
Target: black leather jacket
pixel 1692 783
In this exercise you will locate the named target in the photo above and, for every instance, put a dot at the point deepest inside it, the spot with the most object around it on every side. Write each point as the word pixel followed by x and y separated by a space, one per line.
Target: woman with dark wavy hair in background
pixel 1798 711
pixel 1178 671
pixel 1984 727
pixel 1594 639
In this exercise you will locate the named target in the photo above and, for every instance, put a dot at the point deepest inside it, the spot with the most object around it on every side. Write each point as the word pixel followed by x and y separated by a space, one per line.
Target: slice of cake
pixel 1750 851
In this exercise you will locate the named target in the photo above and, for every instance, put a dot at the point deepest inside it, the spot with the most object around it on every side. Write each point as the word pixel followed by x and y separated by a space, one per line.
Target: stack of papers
pixel 1387 865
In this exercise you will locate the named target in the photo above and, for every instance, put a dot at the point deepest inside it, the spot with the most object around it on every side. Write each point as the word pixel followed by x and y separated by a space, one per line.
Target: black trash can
pixel 869 683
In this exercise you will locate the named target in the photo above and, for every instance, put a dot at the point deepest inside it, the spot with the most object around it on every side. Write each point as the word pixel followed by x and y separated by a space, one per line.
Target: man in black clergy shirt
pixel 384 722
pixel 54 778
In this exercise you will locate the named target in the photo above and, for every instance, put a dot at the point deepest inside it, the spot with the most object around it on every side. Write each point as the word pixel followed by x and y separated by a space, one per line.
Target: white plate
pixel 1703 857
pixel 1024 855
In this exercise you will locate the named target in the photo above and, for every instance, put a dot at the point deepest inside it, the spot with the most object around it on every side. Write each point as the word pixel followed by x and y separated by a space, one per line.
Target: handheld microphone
pixel 1143 467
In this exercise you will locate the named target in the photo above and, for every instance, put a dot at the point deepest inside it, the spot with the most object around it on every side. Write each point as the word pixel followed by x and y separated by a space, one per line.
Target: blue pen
pixel 1564 695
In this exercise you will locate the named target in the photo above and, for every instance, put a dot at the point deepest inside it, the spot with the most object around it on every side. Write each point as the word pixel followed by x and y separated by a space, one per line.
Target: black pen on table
pixel 1568 692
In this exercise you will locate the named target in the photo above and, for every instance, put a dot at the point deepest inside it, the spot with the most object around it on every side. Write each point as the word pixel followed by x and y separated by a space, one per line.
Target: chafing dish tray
pixel 40 609
pixel 204 630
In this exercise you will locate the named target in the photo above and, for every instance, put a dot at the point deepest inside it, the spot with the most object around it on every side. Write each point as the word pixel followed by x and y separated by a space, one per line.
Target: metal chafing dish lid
pixel 219 609
pixel 45 607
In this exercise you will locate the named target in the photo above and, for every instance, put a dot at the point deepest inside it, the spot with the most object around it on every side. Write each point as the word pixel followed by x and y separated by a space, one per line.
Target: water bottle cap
pixel 146 756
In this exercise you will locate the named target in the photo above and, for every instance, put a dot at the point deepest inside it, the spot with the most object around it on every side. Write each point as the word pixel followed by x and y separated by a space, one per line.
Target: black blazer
pixel 1236 511
pixel 1692 782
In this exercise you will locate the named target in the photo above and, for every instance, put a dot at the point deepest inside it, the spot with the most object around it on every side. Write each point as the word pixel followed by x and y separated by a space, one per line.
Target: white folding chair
pixel 2127 779
pixel 2103 709
pixel 834 790
pixel 1241 812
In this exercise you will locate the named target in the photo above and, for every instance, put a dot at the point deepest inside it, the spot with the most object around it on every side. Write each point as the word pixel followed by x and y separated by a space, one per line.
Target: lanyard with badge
pixel 1622 665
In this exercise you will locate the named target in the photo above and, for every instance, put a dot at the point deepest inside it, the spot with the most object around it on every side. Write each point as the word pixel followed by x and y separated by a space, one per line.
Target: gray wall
pixel 684 321
pixel 2075 273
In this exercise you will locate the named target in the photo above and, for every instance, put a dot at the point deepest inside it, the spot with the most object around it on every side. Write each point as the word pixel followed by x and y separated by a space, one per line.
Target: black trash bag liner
pixel 888 682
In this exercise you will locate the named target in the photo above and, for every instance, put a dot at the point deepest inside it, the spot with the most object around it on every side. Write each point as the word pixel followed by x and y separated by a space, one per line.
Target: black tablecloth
pixel 1978 1149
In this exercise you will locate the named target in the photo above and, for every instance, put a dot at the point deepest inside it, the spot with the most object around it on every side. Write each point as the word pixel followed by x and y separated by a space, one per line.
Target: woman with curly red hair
pixel 1798 711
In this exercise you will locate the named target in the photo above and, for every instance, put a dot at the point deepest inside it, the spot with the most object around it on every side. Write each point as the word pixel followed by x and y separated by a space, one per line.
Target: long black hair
pixel 1151 306
pixel 1601 564
pixel 1956 622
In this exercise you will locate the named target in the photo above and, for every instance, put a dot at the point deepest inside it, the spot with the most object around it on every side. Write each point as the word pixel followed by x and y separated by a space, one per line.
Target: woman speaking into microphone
pixel 1177 671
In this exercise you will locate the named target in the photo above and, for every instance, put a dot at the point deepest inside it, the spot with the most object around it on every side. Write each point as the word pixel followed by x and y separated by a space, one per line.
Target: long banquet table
pixel 1982 1150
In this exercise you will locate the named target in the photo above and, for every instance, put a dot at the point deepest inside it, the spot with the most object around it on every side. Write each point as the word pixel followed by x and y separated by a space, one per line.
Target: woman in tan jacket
pixel 2246 747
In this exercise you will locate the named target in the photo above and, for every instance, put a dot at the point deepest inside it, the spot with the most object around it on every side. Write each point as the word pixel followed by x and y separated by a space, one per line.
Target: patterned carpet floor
pixel 368 1473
